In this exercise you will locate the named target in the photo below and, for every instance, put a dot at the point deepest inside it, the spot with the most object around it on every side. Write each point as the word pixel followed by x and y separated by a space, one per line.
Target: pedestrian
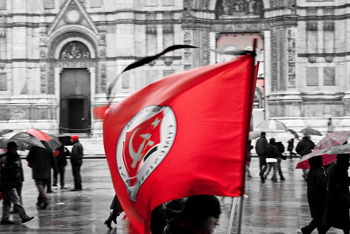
pixel 117 209
pixel 336 211
pixel 249 158
pixel 272 154
pixel 11 177
pixel 290 148
pixel 260 148
pixel 200 215
pixel 76 160
pixel 316 193
pixel 41 160
pixel 330 127
pixel 60 154
pixel 280 157
pixel 304 147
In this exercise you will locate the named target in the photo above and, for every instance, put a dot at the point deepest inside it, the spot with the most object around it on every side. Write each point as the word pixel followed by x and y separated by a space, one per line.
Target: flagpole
pixel 240 215
pixel 233 209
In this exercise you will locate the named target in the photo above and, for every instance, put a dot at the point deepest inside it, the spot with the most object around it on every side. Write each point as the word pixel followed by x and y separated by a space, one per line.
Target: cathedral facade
pixel 57 57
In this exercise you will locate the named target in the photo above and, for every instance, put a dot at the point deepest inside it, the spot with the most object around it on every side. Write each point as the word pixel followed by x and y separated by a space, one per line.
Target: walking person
pixel 316 193
pixel 330 126
pixel 41 160
pixel 260 147
pixel 336 212
pixel 60 154
pixel 11 177
pixel 272 154
pixel 76 160
pixel 249 158
pixel 290 148
pixel 280 157
pixel 304 147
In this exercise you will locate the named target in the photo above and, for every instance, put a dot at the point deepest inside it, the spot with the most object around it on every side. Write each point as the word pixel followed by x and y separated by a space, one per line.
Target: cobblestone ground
pixel 268 208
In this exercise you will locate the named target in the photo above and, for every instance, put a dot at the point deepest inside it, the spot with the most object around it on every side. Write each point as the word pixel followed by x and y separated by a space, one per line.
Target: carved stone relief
pixel 291 59
pixel 75 50
pixel 103 77
pixel 274 61
pixel 234 8
pixel 18 114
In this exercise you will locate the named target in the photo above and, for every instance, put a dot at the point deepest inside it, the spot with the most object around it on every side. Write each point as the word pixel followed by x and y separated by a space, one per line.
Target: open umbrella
pixel 293 132
pixel 333 139
pixel 24 140
pixel 311 131
pixel 327 158
pixel 340 149
pixel 42 136
pixel 271 126
pixel 4 131
pixel 283 136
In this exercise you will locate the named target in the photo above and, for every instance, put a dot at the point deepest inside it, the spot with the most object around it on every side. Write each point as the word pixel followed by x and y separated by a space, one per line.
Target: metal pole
pixel 234 203
pixel 240 216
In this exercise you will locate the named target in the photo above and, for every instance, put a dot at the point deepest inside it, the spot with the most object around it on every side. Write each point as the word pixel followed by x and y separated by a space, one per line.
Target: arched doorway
pixel 75 88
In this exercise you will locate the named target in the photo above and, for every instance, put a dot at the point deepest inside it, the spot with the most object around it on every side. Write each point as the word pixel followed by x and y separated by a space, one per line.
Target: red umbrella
pixel 42 136
pixel 326 148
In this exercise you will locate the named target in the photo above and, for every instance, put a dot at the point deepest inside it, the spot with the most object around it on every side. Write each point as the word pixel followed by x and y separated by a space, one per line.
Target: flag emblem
pixel 143 143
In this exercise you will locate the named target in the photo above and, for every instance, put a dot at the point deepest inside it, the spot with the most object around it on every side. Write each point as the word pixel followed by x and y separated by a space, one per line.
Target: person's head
pixel 343 160
pixel 202 211
pixel 263 134
pixel 12 146
pixel 306 136
pixel 272 141
pixel 316 162
pixel 74 138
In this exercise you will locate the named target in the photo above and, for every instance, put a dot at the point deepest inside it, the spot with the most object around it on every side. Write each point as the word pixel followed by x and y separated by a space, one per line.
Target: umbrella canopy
pixel 327 158
pixel 4 131
pixel 293 132
pixel 341 149
pixel 254 135
pixel 283 136
pixel 271 126
pixel 311 131
pixel 42 136
pixel 333 139
pixel 24 140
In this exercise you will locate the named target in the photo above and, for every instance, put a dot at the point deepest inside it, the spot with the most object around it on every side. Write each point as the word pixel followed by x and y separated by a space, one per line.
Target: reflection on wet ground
pixel 268 208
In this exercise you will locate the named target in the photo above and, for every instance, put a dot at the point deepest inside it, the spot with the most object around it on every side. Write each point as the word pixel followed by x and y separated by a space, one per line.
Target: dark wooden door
pixel 75 101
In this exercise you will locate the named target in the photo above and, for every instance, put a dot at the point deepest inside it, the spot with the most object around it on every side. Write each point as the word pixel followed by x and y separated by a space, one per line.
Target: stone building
pixel 57 57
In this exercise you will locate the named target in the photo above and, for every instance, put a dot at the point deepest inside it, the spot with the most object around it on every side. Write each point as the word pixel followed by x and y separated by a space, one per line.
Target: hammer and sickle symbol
pixel 136 156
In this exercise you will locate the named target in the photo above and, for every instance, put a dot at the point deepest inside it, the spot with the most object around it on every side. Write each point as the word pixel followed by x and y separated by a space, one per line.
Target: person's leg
pixel 279 161
pixel 43 201
pixel 48 184
pixel 62 172
pixel 79 178
pixel 6 205
pixel 274 172
pixel 268 169
pixel 55 177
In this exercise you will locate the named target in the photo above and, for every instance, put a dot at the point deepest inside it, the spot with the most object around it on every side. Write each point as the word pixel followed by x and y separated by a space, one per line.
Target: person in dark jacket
pixel 304 147
pixel 260 147
pixel 41 160
pixel 316 193
pixel 60 154
pixel 272 154
pixel 336 211
pixel 76 160
pixel 200 215
pixel 11 177
pixel 280 148
pixel 290 148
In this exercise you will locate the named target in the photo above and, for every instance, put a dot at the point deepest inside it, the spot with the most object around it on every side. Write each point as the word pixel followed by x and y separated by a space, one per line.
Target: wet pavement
pixel 277 208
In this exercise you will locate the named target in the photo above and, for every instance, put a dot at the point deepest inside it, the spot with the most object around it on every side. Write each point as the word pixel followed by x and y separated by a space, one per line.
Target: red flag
pixel 180 136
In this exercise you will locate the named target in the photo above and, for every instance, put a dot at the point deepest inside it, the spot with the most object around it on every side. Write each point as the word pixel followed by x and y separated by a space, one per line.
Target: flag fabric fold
pixel 180 136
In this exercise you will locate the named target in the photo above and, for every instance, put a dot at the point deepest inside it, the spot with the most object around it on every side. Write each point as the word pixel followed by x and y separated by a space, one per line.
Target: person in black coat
pixel 61 154
pixel 11 178
pixel 260 147
pixel 336 212
pixel 304 147
pixel 41 160
pixel 316 193
pixel 76 160
pixel 272 154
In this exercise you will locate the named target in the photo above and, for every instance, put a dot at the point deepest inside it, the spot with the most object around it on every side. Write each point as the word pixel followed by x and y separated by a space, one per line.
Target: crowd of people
pixel 42 160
